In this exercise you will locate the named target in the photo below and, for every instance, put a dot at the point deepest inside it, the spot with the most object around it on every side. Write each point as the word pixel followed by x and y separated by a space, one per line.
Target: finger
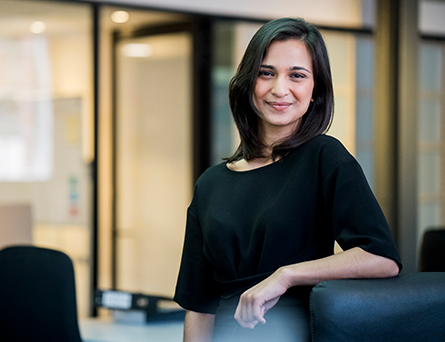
pixel 258 313
pixel 249 310
pixel 244 309
pixel 242 315
pixel 270 304
pixel 246 324
pixel 253 324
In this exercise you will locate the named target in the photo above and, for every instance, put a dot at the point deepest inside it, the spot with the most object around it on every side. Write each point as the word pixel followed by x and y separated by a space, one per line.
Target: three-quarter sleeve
pixel 196 289
pixel 357 218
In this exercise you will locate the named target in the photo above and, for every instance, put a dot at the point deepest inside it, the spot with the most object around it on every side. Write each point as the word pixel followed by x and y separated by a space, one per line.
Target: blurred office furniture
pixel 409 307
pixel 432 251
pixel 134 317
pixel 15 224
pixel 138 308
pixel 37 296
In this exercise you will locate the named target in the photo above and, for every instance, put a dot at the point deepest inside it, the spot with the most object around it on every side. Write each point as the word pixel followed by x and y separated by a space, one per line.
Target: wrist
pixel 285 276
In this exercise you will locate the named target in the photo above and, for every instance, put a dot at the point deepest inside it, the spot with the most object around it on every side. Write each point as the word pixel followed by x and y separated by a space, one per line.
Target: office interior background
pixel 110 110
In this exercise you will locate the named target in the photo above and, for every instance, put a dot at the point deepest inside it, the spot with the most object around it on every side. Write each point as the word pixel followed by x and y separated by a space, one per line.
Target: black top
pixel 242 226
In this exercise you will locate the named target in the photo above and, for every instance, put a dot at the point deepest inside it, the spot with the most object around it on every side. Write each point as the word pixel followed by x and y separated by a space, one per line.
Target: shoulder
pixel 210 178
pixel 212 173
pixel 326 142
pixel 327 148
pixel 325 153
pixel 205 185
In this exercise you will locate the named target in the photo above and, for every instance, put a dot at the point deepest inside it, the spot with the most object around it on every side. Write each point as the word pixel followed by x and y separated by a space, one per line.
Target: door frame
pixel 200 29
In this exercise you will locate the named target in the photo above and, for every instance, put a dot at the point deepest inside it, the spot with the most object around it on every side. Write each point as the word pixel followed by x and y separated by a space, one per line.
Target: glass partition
pixel 46 128
pixel 231 39
pixel 431 152
pixel 154 160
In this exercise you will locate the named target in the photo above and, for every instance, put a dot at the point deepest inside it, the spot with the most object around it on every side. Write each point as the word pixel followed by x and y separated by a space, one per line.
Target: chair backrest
pixel 409 307
pixel 432 251
pixel 37 296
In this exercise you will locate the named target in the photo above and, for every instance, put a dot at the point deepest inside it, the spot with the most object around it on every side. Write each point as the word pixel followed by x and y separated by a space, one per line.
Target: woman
pixel 261 226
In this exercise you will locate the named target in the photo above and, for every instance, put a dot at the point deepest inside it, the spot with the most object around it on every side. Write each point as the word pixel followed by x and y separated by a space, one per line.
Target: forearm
pixel 198 327
pixel 353 263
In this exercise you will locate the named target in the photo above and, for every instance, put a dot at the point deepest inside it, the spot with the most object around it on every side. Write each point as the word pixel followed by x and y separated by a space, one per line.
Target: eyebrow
pixel 292 68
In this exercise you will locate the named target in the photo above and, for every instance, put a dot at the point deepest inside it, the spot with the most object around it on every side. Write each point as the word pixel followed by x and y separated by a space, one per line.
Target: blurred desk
pixel 100 330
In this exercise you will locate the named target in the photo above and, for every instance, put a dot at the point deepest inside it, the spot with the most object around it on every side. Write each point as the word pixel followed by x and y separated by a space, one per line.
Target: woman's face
pixel 283 89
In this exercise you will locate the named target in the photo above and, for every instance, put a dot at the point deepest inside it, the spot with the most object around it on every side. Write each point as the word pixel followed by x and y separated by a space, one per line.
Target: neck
pixel 269 139
pixel 271 135
pixel 244 165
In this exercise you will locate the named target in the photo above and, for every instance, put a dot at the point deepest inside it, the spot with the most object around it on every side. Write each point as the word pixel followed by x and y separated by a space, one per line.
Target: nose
pixel 279 87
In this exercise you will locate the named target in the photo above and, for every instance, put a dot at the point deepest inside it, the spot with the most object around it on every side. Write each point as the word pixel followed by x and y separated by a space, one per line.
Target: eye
pixel 297 75
pixel 265 73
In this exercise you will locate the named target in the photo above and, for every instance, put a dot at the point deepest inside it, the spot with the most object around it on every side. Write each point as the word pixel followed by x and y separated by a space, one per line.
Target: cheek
pixel 305 94
pixel 257 95
pixel 304 98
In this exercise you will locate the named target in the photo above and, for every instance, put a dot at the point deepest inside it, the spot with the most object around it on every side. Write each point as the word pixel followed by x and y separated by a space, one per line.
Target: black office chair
pixel 432 251
pixel 37 296
pixel 409 307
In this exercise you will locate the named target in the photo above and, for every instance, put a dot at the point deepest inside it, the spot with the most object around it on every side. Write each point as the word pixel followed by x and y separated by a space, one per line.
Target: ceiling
pixel 62 18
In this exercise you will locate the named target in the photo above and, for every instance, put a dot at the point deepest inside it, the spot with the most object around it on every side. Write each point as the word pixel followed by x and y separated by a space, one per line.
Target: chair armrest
pixel 409 307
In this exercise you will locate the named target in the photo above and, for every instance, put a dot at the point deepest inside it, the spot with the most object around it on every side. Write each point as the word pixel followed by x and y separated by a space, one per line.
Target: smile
pixel 279 105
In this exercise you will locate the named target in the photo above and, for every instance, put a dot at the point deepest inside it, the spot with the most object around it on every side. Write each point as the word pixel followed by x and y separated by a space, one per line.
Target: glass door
pixel 153 159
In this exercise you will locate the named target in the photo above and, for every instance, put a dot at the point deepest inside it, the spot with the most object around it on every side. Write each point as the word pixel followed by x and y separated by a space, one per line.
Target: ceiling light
pixel 37 27
pixel 120 17
pixel 137 50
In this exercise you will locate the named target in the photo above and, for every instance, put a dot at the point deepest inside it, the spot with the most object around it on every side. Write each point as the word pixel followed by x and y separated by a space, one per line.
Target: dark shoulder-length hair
pixel 319 115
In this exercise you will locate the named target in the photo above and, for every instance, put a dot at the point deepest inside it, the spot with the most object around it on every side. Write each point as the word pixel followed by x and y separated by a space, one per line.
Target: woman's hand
pixel 256 301
pixel 353 263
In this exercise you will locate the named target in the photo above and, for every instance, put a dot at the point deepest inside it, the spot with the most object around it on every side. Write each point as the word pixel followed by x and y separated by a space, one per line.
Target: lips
pixel 279 105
